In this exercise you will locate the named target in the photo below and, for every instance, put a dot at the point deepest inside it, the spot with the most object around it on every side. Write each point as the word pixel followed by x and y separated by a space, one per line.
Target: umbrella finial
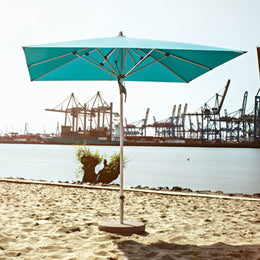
pixel 121 34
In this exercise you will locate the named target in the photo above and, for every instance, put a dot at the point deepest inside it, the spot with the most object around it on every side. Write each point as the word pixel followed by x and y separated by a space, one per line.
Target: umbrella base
pixel 127 228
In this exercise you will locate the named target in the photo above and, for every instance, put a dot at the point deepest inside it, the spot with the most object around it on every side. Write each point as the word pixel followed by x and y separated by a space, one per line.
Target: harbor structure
pixel 95 122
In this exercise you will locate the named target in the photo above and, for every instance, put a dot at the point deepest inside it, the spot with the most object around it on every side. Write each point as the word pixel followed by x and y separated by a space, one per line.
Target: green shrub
pixel 83 150
pixel 115 159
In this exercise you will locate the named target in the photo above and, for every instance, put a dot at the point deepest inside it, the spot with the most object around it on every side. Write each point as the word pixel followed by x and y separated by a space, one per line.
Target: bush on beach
pixel 90 159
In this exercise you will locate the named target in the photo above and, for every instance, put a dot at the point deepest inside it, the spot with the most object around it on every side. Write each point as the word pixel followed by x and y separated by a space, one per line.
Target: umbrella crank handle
pixel 122 200
pixel 122 88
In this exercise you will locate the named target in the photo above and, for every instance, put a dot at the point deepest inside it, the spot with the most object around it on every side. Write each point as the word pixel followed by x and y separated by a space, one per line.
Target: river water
pixel 231 170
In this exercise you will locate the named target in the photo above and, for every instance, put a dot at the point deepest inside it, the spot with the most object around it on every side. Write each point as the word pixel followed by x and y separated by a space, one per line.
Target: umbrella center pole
pixel 121 158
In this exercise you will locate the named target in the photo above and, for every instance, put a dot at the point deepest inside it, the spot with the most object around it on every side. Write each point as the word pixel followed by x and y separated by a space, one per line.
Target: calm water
pixel 225 169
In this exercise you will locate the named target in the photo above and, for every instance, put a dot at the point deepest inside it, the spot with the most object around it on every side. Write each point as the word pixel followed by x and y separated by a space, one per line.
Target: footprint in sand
pixel 67 230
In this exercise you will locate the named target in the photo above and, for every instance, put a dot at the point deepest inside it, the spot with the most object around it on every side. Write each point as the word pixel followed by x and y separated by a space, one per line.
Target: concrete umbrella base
pixel 127 228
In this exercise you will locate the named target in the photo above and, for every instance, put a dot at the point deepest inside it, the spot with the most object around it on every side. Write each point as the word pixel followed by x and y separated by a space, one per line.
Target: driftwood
pixel 106 175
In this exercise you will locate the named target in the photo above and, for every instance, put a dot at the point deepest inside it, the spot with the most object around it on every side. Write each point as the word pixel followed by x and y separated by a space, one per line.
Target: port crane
pixel 71 107
pixel 172 127
pixel 94 115
pixel 257 114
pixel 97 117
pixel 208 119
pixel 257 105
pixel 137 128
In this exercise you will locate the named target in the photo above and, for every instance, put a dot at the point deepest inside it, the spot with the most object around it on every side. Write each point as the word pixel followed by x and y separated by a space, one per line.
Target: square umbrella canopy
pixel 123 59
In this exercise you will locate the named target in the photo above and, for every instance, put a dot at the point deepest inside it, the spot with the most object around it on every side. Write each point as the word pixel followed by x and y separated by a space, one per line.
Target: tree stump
pixel 106 175
pixel 89 165
pixel 109 173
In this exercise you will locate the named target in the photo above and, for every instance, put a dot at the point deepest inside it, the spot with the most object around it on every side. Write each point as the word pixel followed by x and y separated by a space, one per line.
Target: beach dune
pixel 55 222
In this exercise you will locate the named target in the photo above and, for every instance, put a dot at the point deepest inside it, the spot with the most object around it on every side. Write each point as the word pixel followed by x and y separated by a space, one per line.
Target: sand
pixel 52 222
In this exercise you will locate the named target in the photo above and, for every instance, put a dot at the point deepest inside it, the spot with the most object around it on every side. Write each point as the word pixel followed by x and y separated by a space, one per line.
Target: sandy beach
pixel 55 222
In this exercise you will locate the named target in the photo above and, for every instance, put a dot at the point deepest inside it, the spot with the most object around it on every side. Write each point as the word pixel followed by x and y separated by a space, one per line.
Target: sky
pixel 232 24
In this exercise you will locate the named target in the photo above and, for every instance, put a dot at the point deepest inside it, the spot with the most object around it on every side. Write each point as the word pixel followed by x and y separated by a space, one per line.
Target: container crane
pixel 173 110
pixel 191 126
pixel 257 115
pixel 172 118
pixel 257 105
pixel 223 97
pixel 93 111
pixel 145 120
pixel 178 116
pixel 183 117
pixel 242 111
pixel 72 108
pixel 210 123
pixel 137 127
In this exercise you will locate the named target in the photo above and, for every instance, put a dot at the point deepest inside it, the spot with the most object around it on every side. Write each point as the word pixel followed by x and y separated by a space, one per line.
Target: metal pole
pixel 122 92
pixel 85 118
pixel 121 160
pixel 111 120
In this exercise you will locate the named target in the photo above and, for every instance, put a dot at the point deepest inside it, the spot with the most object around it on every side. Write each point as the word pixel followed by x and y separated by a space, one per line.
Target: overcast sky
pixel 232 24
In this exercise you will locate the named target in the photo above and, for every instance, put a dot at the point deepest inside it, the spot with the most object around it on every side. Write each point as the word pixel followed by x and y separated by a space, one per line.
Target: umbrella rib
pixel 53 70
pixel 88 55
pixel 110 53
pixel 167 67
pixel 136 53
pixel 186 60
pixel 128 74
pixel 138 63
pixel 115 63
pixel 61 56
pixel 132 57
pixel 99 66
pixel 125 57
pixel 105 59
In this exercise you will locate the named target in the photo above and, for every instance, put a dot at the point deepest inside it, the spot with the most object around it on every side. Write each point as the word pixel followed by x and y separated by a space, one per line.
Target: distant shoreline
pixel 177 191
pixel 199 144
